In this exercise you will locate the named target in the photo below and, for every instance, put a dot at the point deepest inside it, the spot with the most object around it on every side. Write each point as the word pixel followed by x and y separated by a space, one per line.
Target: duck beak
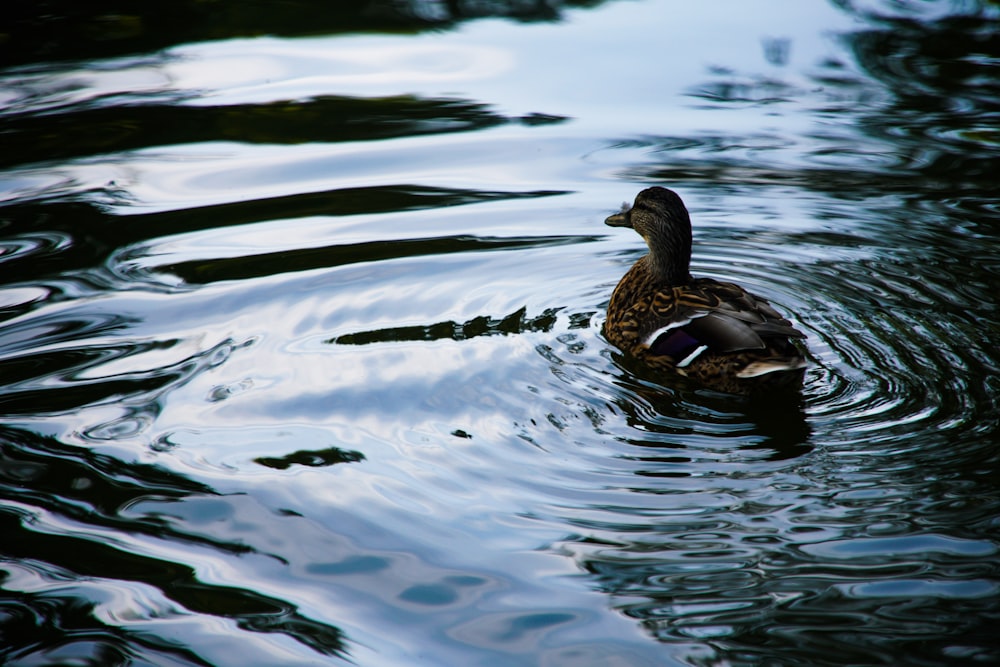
pixel 620 219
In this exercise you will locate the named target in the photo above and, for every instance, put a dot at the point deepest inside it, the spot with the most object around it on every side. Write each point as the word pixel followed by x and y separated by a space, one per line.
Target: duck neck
pixel 670 258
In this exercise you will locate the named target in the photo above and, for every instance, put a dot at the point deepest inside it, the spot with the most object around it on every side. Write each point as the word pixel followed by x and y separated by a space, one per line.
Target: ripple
pixel 877 333
pixel 295 373
pixel 745 540
pixel 17 300
pixel 912 588
pixel 34 246
pixel 889 547
pixel 61 376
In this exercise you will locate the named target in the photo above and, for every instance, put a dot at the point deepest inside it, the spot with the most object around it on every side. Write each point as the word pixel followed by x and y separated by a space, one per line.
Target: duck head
pixel 661 218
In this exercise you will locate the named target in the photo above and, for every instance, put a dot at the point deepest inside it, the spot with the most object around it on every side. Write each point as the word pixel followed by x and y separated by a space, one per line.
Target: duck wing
pixel 713 316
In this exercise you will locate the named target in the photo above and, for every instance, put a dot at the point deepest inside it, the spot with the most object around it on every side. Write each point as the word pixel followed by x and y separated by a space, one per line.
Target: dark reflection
pixel 92 237
pixel 915 157
pixel 86 241
pixel 721 526
pixel 313 459
pixel 800 616
pixel 97 490
pixel 61 629
pixel 121 127
pixel 32 30
pixel 943 116
pixel 55 329
pixel 305 259
pixel 773 423
pixel 251 610
pixel 339 202
pixel 82 484
pixel 884 553
pixel 939 123
pixel 784 559
pixel 750 594
pixel 50 382
pixel 515 323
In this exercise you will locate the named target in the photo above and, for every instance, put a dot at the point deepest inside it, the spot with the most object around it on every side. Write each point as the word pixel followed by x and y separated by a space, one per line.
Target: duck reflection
pixel 773 425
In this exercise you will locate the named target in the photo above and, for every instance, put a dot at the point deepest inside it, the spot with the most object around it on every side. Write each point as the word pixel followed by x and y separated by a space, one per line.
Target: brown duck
pixel 714 332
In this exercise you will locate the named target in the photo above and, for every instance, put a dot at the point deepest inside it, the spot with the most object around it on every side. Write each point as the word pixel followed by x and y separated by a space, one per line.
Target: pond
pixel 301 358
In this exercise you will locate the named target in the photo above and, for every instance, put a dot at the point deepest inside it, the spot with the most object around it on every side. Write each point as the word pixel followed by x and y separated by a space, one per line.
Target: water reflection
pixel 516 322
pixel 76 495
pixel 61 29
pixel 297 372
pixel 759 428
pixel 942 118
pixel 832 562
pixel 881 357
pixel 104 129
pixel 243 268
pixel 323 457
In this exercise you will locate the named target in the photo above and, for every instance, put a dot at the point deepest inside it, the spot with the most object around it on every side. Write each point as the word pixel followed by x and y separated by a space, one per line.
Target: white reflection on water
pixel 268 69
pixel 625 71
pixel 33 90
pixel 204 174
pixel 515 485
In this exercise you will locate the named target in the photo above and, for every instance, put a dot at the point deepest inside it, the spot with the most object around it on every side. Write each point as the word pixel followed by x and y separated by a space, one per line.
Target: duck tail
pixel 758 368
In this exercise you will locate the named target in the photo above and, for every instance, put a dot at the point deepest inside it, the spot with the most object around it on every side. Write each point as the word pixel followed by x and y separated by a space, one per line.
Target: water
pixel 301 348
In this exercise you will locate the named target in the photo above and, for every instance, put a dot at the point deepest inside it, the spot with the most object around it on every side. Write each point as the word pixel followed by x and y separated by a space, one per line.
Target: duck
pixel 716 333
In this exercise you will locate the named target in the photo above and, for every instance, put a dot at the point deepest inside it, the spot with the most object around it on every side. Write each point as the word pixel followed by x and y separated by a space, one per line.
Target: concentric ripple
pixel 301 358
pixel 907 368
pixel 745 525
pixel 898 343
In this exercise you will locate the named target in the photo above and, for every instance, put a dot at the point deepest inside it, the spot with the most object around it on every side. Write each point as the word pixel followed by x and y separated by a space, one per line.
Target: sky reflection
pixel 303 339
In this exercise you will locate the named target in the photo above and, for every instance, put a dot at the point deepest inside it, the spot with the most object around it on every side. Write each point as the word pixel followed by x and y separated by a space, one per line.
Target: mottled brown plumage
pixel 714 332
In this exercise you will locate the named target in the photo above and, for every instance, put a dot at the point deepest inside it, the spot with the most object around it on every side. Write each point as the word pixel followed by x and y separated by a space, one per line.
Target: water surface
pixel 301 357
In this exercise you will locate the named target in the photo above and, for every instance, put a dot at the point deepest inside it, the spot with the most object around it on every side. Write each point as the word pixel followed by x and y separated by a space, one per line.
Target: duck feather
pixel 713 331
